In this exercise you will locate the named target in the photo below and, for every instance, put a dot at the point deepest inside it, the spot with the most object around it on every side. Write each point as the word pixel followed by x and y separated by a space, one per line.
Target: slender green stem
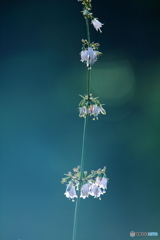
pixel 88 33
pixel 75 219
pixel 89 69
pixel 80 184
pixel 83 147
pixel 88 82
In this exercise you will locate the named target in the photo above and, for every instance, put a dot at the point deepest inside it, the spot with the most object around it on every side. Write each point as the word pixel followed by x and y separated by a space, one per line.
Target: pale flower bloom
pixel 97 24
pixel 95 191
pixel 89 56
pixel 85 190
pixel 90 110
pixel 94 110
pixel 103 183
pixel 97 182
pixel 97 110
pixel 70 191
pixel 83 55
pixel 82 111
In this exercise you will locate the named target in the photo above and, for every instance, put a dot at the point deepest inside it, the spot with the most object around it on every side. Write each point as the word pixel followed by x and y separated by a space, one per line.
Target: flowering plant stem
pixel 88 82
pixel 81 176
pixel 83 147
pixel 80 184
pixel 88 33
pixel 89 70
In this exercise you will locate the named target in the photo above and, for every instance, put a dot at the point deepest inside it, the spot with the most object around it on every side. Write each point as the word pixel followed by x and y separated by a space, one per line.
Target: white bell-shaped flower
pixel 94 58
pixel 89 56
pixel 97 24
pixel 82 111
pixel 90 110
pixel 84 54
pixel 85 190
pixel 70 191
pixel 103 183
pixel 97 182
pixel 97 110
pixel 95 191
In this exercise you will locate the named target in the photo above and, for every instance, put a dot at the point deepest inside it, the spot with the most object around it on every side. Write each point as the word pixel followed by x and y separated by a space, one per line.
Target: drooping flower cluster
pixel 93 184
pixel 89 56
pixel 88 14
pixel 90 53
pixel 90 106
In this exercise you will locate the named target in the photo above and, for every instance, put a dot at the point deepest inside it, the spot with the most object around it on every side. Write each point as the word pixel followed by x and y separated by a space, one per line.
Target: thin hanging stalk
pixel 88 33
pixel 88 82
pixel 83 148
pixel 80 184
pixel 89 69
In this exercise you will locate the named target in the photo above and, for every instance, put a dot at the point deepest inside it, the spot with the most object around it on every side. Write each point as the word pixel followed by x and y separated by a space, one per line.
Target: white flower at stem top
pixel 89 56
pixel 97 24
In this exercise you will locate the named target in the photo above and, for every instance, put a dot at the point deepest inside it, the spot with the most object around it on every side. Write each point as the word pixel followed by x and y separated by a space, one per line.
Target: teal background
pixel 41 77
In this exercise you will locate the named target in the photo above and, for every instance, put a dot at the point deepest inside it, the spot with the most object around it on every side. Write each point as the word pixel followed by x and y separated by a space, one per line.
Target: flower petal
pixel 97 24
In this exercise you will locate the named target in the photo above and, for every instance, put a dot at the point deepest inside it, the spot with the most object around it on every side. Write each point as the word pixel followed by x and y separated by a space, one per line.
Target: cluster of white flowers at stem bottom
pixel 95 189
pixel 84 186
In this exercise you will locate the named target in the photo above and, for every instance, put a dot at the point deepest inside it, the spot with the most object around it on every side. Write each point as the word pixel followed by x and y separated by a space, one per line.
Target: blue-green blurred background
pixel 41 78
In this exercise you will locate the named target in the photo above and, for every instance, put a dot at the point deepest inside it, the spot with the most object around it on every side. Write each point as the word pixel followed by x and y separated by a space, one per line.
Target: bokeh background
pixel 41 78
